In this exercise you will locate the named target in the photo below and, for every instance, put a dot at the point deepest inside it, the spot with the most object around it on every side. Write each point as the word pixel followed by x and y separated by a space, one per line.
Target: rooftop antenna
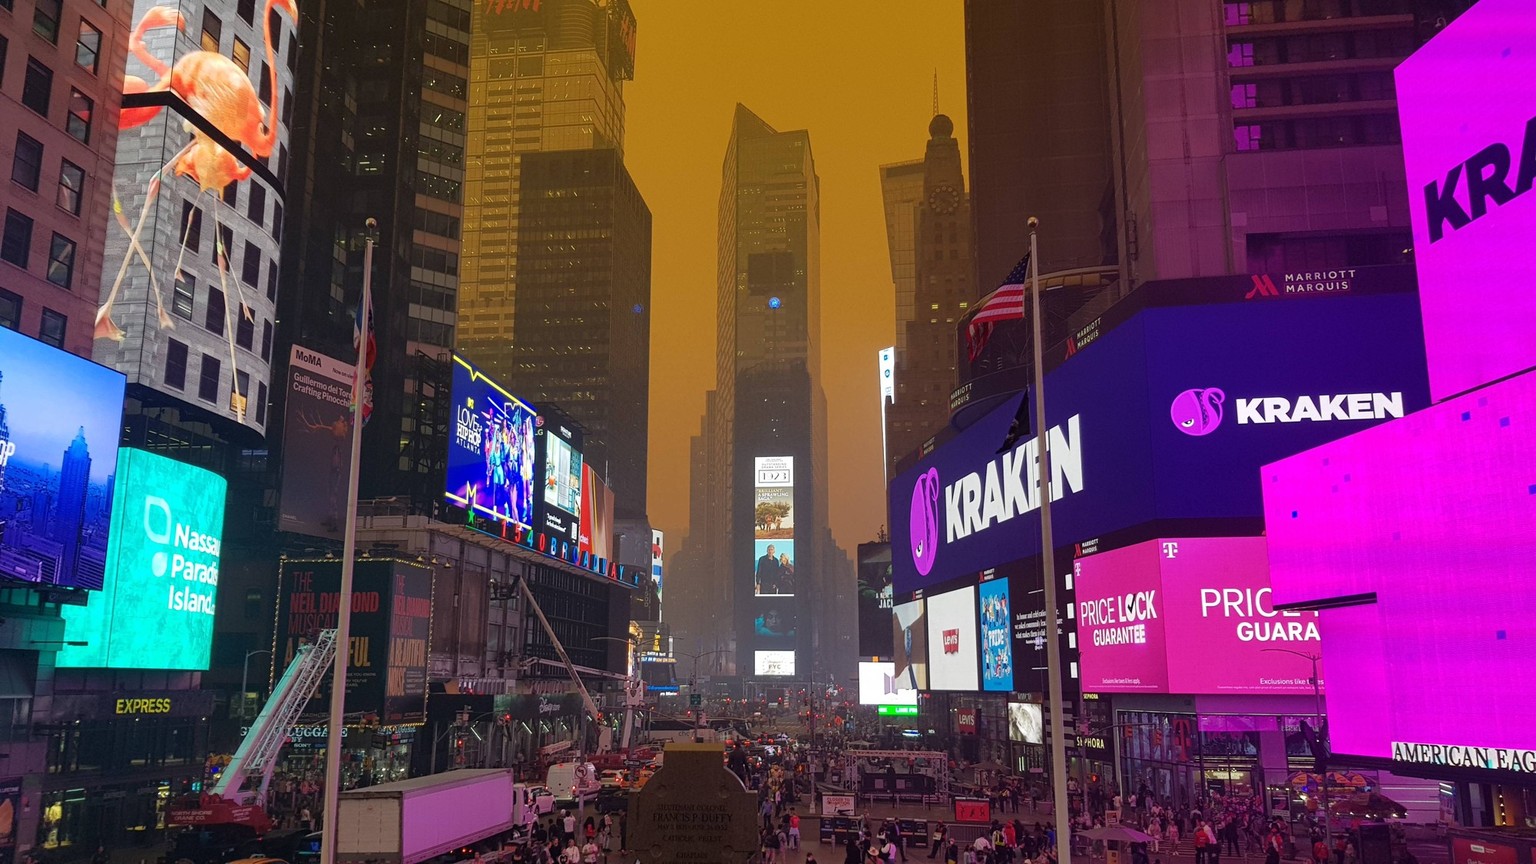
pixel 935 92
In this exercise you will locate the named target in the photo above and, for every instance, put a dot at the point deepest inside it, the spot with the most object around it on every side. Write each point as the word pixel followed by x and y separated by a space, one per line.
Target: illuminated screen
pixel 1432 514
pixel 562 474
pixel 874 599
pixel 909 633
pixel 596 514
pixel 996 645
pixel 317 445
pixel 952 654
pixel 491 453
pixel 878 685
pixel 1189 615
pixel 60 418
pixel 773 529
pixel 1464 101
pixel 773 662
pixel 1026 723
pixel 156 608
pixel 774 621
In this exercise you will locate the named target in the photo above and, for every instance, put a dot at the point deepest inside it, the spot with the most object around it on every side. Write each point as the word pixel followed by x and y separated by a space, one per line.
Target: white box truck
pixel 409 821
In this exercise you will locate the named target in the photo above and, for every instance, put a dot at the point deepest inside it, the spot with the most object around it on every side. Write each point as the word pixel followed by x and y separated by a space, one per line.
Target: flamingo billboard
pixel 189 286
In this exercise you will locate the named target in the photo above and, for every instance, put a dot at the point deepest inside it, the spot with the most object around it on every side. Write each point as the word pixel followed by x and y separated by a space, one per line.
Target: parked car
pixel 611 780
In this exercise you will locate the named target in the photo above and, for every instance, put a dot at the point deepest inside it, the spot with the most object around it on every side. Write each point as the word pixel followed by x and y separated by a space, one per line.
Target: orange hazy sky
pixel 858 74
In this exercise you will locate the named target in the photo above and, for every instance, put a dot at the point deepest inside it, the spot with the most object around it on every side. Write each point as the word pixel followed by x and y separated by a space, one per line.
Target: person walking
pixel 794 829
pixel 937 843
pixel 1202 840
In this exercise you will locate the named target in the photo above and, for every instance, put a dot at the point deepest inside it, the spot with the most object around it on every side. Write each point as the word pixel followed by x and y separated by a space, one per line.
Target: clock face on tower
pixel 944 199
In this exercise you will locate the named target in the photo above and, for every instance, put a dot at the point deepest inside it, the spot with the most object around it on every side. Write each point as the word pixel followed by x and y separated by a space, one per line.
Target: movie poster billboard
pixel 874 599
pixel 317 445
pixel 773 530
pixel 560 473
pixel 60 420
pixel 775 622
pixel 391 618
pixel 492 452
pixel 996 644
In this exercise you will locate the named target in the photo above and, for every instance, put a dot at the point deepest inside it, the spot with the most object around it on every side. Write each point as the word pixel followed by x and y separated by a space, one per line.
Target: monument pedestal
pixel 693 811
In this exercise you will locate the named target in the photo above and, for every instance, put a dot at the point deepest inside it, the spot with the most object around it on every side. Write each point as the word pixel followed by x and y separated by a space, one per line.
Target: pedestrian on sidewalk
pixel 940 836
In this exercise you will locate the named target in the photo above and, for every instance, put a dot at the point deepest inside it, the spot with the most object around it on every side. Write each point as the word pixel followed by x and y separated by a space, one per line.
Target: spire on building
pixel 935 92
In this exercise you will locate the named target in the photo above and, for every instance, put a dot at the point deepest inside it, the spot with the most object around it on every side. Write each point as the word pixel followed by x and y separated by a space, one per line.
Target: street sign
pixel 695 700
pixel 897 710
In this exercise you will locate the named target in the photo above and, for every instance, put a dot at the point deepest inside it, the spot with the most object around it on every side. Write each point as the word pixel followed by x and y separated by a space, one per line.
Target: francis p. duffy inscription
pixel 693 811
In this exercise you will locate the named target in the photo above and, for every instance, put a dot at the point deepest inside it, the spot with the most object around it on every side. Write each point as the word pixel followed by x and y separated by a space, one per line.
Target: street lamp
pixel 693 678
pixel 245 666
pixel 1317 730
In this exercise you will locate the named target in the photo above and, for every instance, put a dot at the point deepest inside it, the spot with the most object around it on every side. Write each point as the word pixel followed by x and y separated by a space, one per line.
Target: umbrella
pixel 1116 832
pixel 1367 805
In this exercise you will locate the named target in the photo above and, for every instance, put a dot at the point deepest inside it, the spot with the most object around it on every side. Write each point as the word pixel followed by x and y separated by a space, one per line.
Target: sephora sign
pixel 1189 616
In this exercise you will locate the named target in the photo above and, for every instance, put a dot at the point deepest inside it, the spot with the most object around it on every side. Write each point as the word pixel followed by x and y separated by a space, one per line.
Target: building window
pixel 10 310
pixel 183 295
pixel 37 92
pixel 5 46
pixel 250 265
pixel 222 247
pixel 16 246
pixel 245 331
pixel 246 9
pixel 266 340
pixel 1248 137
pixel 71 186
pixel 277 221
pixel 1245 95
pixel 242 394
pixel 264 86
pixel 230 192
pixel 88 47
pixel 79 121
pixel 256 205
pixel 213 30
pixel 261 404
pixel 213 316
pixel 45 19
pixel 61 261
pixel 52 328
pixel 272 284
pixel 27 166
pixel 176 364
pixel 192 226
pixel 208 379
pixel 241 54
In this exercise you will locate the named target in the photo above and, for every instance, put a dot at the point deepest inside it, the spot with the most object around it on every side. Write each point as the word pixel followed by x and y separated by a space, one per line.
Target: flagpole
pixel 1062 806
pixel 348 556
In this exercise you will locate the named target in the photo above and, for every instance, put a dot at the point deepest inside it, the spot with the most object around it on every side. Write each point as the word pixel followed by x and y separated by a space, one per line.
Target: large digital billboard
pixel 996 635
pixel 317 445
pixel 560 472
pixel 156 606
pixel 952 647
pixel 1189 615
pixel 1465 101
pixel 909 635
pixel 773 526
pixel 1426 524
pixel 874 599
pixel 657 540
pixel 492 453
pixel 1148 423
pixel 391 623
pixel 773 663
pixel 1026 723
pixel 878 685
pixel 596 515
pixel 60 420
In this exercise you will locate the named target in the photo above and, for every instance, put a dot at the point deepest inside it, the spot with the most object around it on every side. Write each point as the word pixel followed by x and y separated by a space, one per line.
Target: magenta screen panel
pixel 1466 100
pixel 1120 636
pixel 1436 515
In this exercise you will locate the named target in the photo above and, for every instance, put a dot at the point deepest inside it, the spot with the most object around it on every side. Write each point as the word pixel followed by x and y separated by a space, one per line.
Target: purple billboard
pixel 1167 416
pixel 1467 103
pixel 1426 524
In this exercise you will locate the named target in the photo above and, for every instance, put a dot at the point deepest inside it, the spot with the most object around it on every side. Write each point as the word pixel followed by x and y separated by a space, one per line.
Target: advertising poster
pixel 773 574
pixel 561 475
pixel 909 635
pixel 996 636
pixel 775 622
pixel 773 533
pixel 874 599
pixel 1120 625
pixel 1026 601
pixel 157 603
pixel 60 419
pixel 878 685
pixel 388 602
pixel 596 523
pixel 317 445
pixel 656 560
pixel 952 648
pixel 492 453
pixel 780 663
pixel 1026 723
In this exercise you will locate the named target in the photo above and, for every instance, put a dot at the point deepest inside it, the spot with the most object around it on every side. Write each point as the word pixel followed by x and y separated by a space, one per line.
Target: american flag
pixel 1007 302
pixel 373 351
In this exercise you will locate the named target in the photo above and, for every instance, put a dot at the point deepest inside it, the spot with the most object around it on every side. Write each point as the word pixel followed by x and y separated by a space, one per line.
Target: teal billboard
pixel 155 609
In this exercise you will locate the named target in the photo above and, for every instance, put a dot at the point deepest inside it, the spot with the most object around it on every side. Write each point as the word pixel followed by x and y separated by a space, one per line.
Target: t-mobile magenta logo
pixel 1197 412
pixel 924 524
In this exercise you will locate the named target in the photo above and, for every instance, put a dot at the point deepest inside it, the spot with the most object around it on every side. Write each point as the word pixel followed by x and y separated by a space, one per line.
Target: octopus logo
pixel 1197 412
pixel 925 521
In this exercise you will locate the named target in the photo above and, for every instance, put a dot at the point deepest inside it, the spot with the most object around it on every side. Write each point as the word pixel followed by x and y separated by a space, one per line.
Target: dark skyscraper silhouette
pixel 69 515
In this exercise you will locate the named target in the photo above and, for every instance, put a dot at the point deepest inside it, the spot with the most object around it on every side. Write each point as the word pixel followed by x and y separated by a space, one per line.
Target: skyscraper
pixel 69 514
pixel 582 339
pixel 932 236
pixel 544 75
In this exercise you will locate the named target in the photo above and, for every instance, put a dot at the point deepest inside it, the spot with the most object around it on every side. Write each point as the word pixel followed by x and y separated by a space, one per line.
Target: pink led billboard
pixel 1466 101
pixel 1189 615
pixel 1436 515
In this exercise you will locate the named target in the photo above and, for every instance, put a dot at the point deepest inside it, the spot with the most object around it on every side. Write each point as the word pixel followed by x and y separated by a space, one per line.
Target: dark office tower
pixel 582 334
pixel 544 75
pixel 1039 133
pixel 928 226
pixel 69 515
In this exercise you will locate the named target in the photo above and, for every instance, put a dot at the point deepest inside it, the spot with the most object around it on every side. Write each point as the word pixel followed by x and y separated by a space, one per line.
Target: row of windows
pixel 1281 11
pixel 27 172
pixel 1312 132
pixel 16 248
pixel 177 358
pixel 183 295
pixel 446 48
pixel 37 94
pixel 53 325
pixel 440 224
pixel 1314 90
pixel 250 264
pixel 1318 47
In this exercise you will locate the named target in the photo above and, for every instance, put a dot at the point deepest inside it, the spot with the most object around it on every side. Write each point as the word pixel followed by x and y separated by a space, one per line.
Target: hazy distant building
pixel 544 75
pixel 936 228
pixel 583 338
